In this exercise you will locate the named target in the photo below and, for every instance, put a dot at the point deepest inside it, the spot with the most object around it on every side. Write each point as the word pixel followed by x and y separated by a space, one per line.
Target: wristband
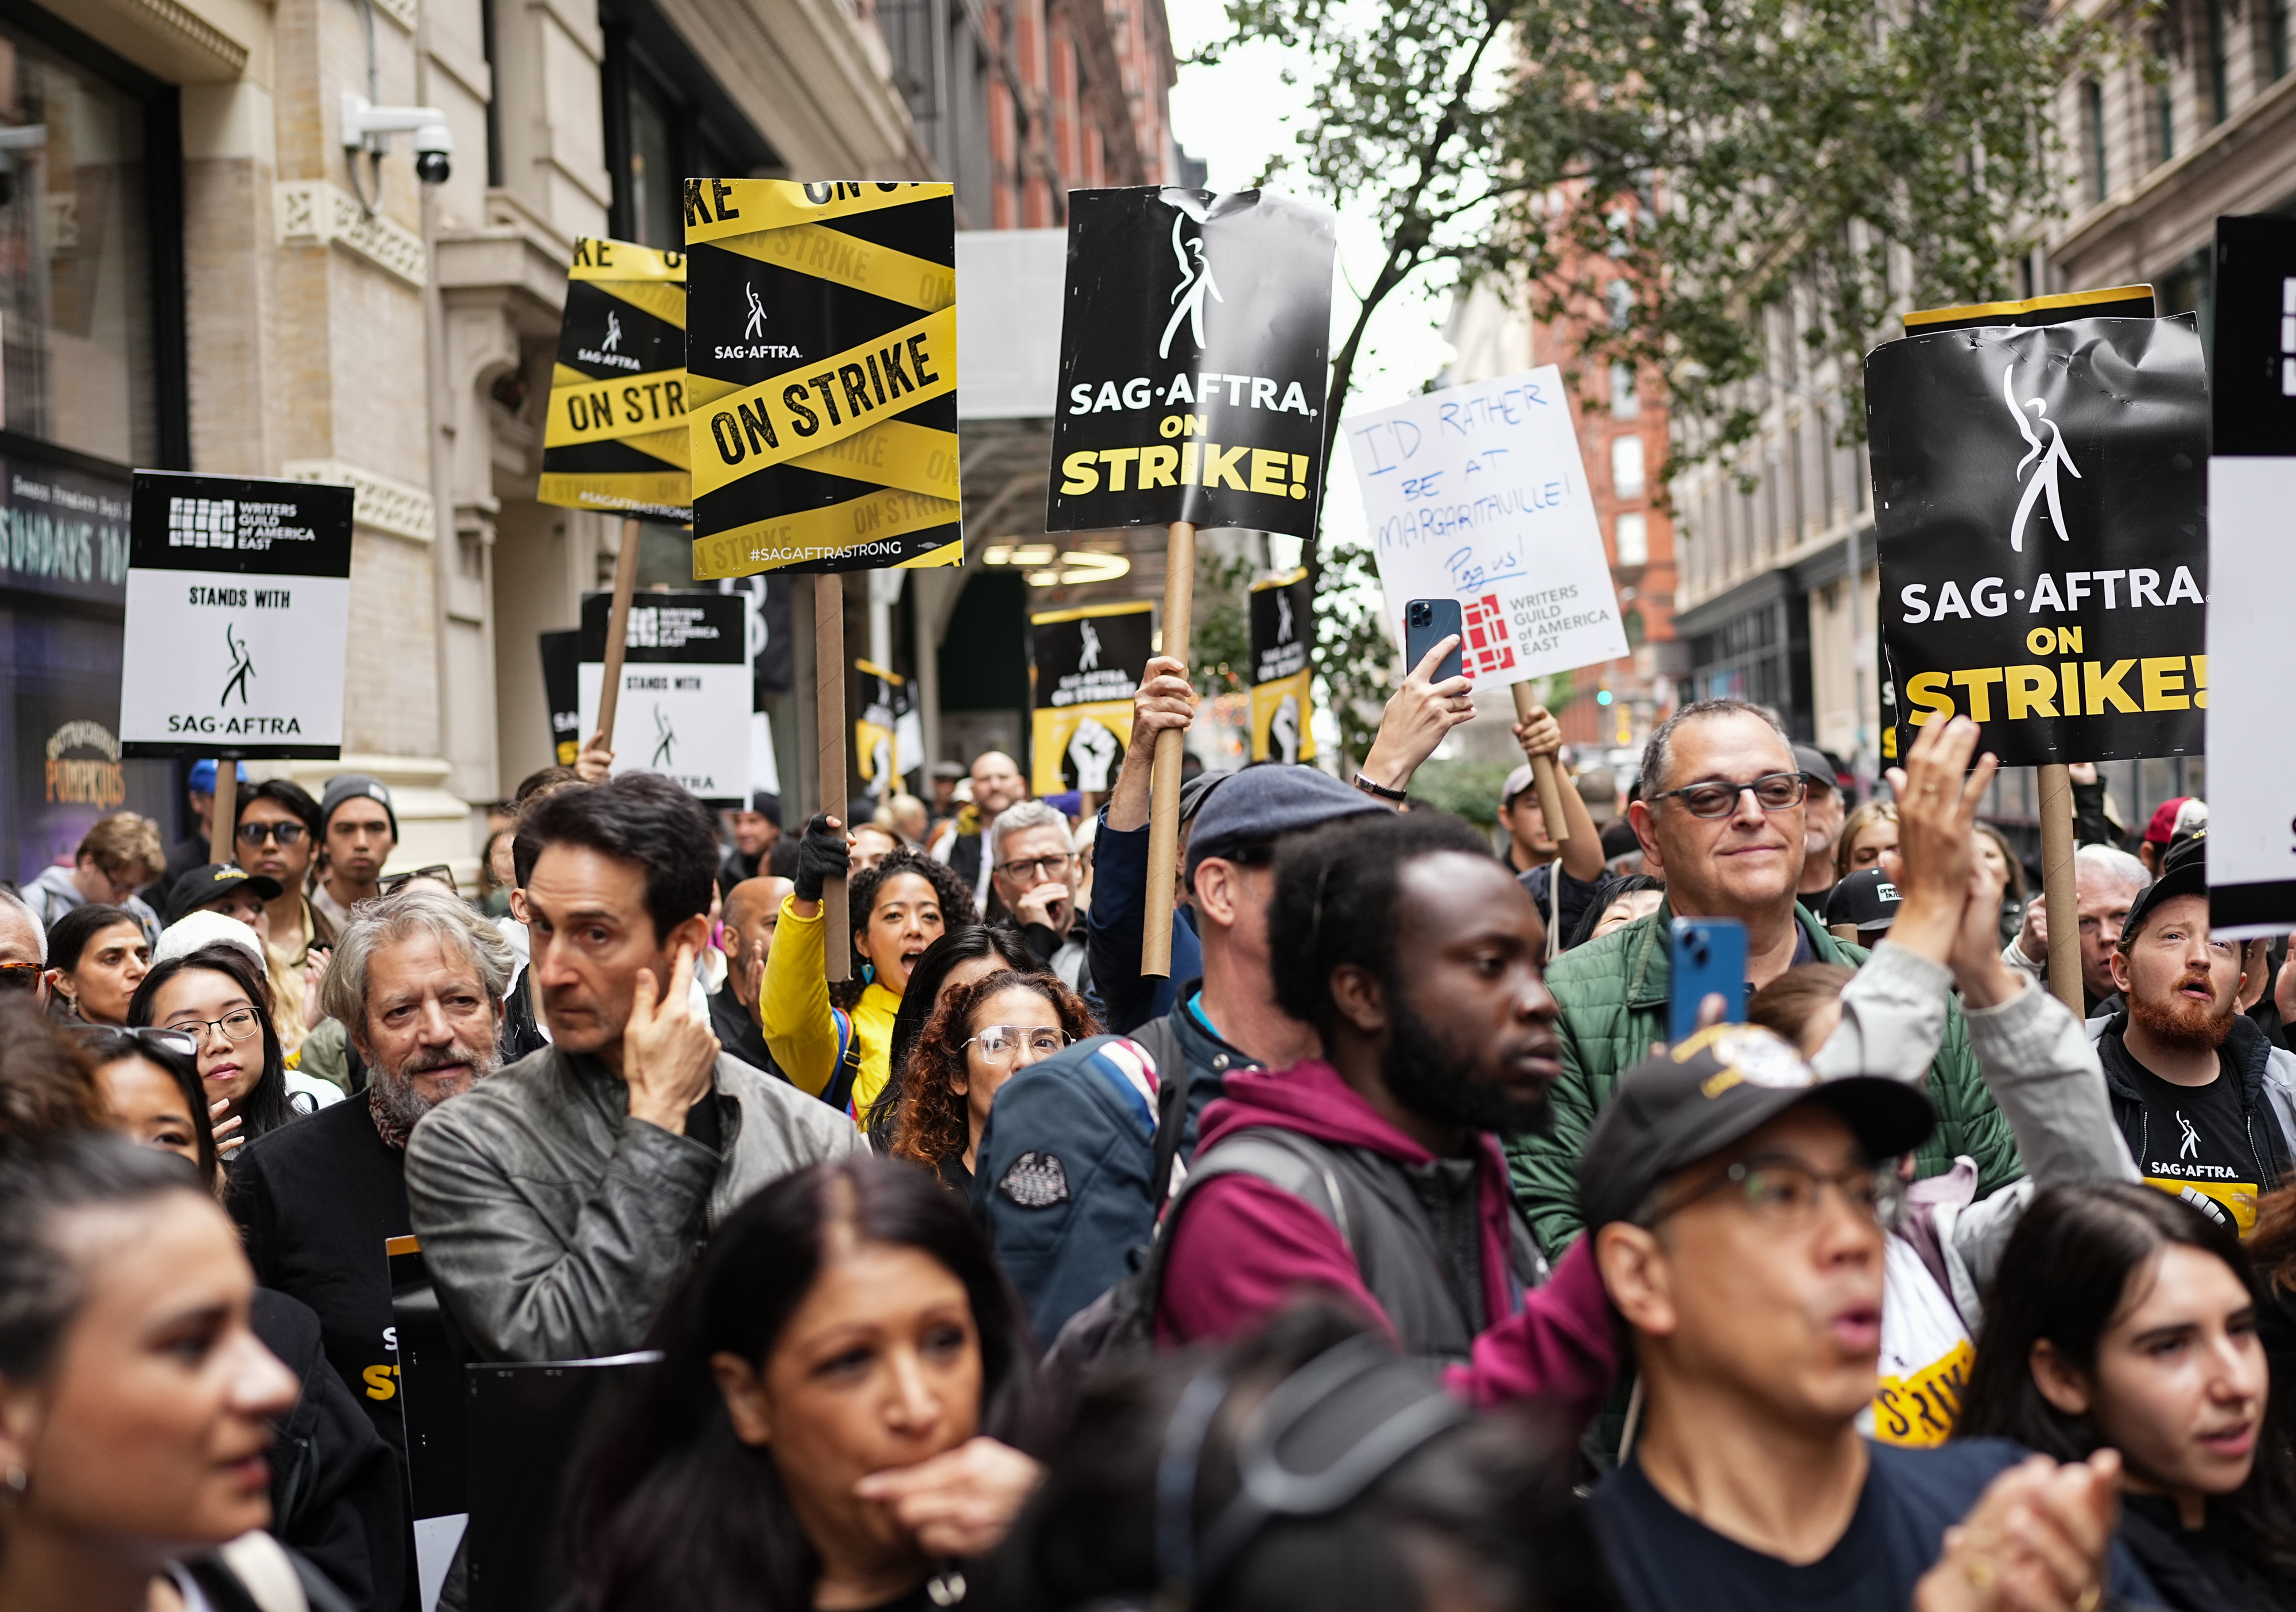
pixel 1381 790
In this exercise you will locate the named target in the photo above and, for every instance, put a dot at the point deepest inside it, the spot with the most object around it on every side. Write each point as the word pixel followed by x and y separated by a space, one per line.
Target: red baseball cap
pixel 2163 825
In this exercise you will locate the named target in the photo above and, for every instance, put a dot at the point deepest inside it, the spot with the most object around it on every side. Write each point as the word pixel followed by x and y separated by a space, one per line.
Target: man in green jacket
pixel 1720 819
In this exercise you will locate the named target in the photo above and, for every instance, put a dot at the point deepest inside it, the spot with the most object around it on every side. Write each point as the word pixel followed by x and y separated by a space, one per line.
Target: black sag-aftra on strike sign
pixel 821 351
pixel 1193 361
pixel 2040 501
pixel 615 437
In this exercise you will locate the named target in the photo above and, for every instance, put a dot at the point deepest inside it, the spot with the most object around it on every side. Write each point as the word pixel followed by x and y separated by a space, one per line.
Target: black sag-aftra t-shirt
pixel 2196 1144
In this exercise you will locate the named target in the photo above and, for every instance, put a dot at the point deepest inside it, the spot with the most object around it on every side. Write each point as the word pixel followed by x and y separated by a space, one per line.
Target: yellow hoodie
pixel 804 1032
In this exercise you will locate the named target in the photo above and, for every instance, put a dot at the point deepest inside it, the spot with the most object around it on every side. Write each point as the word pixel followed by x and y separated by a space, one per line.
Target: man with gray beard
pixel 417 980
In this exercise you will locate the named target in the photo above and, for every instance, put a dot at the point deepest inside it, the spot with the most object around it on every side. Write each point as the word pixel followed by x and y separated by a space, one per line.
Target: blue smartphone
pixel 1708 956
pixel 1427 622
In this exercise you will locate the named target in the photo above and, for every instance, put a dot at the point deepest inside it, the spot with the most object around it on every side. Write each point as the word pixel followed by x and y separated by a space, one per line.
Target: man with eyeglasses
pixel 1721 820
pixel 1032 871
pixel 417 980
pixel 1737 1207
pixel 278 838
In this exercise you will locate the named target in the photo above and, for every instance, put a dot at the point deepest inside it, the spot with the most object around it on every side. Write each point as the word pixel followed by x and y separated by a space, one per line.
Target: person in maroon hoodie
pixel 1376 1171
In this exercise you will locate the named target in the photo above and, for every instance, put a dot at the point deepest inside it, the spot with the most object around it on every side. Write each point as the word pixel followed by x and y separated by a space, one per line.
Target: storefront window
pixel 76 342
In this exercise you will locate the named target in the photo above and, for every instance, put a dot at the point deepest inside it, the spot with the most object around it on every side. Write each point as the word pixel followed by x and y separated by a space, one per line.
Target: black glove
pixel 821 855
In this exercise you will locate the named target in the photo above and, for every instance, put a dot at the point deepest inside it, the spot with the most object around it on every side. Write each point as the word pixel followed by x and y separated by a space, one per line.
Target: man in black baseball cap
pixel 1735 1201
pixel 1861 909
pixel 2189 1075
pixel 225 886
pixel 1822 814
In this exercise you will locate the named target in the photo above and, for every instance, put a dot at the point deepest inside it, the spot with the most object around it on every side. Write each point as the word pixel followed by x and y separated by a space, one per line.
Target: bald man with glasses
pixel 1721 819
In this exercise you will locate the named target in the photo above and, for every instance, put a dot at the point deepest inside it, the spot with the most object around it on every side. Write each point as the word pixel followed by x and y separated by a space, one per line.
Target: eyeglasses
pixel 18 976
pixel 1035 868
pixel 110 1041
pixel 1786 1192
pixel 1772 792
pixel 1001 1043
pixel 236 1025
pixel 284 834
pixel 439 871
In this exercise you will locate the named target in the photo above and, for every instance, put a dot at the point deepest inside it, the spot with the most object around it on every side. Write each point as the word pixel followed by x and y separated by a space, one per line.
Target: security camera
pixel 369 127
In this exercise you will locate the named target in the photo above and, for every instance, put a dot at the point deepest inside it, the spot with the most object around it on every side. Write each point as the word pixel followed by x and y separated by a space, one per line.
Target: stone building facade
pixel 196 273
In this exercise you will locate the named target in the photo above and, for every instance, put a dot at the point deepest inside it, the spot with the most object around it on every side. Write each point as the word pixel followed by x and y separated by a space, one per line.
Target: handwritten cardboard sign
pixel 1477 493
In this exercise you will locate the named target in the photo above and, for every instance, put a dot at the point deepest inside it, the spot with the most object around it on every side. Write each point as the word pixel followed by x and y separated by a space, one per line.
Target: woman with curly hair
pixel 837 1043
pixel 980 1036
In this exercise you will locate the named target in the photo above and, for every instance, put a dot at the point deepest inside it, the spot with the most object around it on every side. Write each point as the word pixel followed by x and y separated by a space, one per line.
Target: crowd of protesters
pixel 1381 1254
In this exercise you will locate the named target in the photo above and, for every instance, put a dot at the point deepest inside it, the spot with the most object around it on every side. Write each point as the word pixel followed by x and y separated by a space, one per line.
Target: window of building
pixel 2164 107
pixel 2100 183
pixel 2220 79
pixel 667 119
pixel 1626 403
pixel 91 242
pixel 1635 631
pixel 1626 466
pixel 1632 532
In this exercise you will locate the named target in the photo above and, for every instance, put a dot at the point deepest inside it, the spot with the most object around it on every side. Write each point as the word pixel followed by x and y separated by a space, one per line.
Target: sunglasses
pixel 108 1042
pixel 20 976
pixel 285 834
pixel 439 871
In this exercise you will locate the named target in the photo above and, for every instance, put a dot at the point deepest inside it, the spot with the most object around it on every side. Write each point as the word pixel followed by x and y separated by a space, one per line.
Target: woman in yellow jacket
pixel 834 1041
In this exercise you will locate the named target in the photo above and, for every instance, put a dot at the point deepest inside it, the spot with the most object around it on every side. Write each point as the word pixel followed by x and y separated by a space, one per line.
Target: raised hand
pixel 1165 699
pixel 596 761
pixel 669 1054
pixel 1937 796
pixel 1418 715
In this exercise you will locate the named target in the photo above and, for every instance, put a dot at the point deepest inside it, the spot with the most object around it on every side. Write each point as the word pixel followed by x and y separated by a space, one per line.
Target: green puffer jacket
pixel 1613 996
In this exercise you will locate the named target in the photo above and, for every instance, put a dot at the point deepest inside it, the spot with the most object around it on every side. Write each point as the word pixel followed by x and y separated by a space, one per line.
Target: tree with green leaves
pixel 1661 175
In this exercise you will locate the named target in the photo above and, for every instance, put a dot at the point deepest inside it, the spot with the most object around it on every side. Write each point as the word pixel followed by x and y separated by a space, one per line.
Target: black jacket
pixel 738 1033
pixel 315 1201
pixel 2247 1050
pixel 336 1494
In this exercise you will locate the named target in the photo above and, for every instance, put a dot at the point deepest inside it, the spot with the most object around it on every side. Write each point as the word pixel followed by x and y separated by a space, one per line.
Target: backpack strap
pixel 1161 1043
pixel 1284 1159
pixel 838 1093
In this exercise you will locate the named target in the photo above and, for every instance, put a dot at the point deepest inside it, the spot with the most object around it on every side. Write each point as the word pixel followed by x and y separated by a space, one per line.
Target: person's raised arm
pixel 1418 714
pixel 1540 735
pixel 1165 699
pixel 794 1010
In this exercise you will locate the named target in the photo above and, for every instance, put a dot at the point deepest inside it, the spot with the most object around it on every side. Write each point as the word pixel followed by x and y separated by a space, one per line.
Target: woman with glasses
pixel 980 1036
pixel 964 955
pixel 97 955
pixel 216 996
pixel 149 1082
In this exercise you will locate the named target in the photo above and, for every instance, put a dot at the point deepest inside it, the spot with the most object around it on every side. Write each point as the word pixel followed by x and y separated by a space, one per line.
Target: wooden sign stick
pixel 223 825
pixel 2063 902
pixel 618 629
pixel 1164 778
pixel 829 728
pixel 1542 772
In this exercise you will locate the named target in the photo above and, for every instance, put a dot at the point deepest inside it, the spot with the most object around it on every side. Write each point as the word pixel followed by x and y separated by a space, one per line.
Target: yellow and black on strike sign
pixel 2040 502
pixel 1088 662
pixel 616 439
pixel 1283 632
pixel 823 351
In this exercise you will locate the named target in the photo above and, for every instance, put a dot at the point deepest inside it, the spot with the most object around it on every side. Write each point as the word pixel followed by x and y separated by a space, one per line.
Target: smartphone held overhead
pixel 1427 622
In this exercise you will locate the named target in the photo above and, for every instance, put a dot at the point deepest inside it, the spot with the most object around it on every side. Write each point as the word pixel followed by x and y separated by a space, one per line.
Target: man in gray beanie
pixel 357 832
